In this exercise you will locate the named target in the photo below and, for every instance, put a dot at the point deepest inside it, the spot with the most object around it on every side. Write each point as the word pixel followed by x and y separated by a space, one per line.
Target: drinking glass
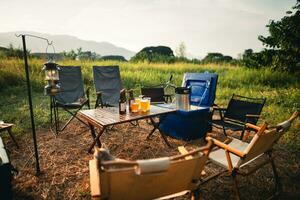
pixel 134 107
pixel 144 105
pixel 138 101
pixel 148 99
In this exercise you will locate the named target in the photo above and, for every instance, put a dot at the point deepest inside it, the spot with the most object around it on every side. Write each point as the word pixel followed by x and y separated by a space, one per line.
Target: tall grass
pixel 281 89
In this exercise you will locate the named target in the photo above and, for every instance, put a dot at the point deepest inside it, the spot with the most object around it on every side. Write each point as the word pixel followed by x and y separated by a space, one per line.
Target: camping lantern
pixel 51 75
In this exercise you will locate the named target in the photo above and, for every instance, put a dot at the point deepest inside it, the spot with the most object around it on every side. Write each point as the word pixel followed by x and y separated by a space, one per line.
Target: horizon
pixel 225 26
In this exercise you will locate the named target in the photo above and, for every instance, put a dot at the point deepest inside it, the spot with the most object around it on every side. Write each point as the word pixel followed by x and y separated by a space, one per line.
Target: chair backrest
pixel 203 87
pixel 156 94
pixel 149 179
pixel 107 80
pixel 265 138
pixel 71 84
pixel 239 106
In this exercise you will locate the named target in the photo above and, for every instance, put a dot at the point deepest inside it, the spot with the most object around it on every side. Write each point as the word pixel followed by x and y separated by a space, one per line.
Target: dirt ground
pixel 65 175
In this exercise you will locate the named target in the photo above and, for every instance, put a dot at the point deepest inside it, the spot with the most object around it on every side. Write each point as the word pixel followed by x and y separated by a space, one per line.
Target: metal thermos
pixel 182 98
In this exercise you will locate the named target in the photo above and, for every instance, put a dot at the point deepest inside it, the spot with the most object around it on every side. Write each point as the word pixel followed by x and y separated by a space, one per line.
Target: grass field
pixel 281 89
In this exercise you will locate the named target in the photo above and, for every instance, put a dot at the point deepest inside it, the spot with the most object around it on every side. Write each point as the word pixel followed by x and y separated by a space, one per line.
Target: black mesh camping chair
pixel 107 81
pixel 71 97
pixel 157 93
pixel 240 110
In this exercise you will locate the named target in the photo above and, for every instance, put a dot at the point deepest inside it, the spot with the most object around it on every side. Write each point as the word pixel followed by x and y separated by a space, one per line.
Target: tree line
pixel 281 52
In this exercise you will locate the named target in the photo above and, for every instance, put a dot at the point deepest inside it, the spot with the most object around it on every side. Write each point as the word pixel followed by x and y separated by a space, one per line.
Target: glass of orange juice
pixel 134 107
pixel 144 105
pixel 148 99
pixel 138 101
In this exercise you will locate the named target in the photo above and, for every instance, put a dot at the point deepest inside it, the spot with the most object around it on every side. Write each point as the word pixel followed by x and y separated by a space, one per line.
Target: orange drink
pixel 148 102
pixel 138 101
pixel 134 107
pixel 144 105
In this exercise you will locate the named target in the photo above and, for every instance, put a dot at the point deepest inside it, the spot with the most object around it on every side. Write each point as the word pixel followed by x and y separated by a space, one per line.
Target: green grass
pixel 281 89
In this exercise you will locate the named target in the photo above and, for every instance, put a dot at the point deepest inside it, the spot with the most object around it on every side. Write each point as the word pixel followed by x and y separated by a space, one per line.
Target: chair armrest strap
pixel 226 147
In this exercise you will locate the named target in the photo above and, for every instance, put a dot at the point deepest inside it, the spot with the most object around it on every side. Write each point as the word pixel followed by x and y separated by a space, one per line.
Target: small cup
pixel 134 107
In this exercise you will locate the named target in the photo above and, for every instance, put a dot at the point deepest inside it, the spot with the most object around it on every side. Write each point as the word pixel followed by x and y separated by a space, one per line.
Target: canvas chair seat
pixel 147 179
pixel 218 157
pixel 74 105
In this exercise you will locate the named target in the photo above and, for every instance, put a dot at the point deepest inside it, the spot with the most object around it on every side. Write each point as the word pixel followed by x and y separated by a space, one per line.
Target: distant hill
pixel 63 43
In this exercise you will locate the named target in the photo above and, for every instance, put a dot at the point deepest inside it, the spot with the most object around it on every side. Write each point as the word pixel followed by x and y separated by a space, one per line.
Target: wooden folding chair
pixel 235 154
pixel 147 179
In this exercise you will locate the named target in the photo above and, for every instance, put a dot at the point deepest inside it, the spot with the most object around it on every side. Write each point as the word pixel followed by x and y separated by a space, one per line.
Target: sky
pixel 226 26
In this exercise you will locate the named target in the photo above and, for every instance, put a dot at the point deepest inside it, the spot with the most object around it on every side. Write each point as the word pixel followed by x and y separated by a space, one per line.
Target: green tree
pixel 284 41
pixel 154 54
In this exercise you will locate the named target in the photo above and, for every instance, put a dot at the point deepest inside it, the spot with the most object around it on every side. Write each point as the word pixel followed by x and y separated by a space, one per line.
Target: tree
pixel 162 54
pixel 181 50
pixel 284 41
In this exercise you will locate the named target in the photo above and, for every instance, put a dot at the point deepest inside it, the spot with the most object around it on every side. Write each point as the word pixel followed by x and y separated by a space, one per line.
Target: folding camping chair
pixel 192 124
pixel 147 179
pixel 240 110
pixel 236 155
pixel 71 97
pixel 157 93
pixel 203 88
pixel 107 81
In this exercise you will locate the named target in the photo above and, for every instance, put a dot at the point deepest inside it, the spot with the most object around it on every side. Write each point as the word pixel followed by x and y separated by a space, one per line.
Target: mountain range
pixel 62 43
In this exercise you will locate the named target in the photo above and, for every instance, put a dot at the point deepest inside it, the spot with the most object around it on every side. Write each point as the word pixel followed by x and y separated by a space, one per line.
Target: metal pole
pixel 37 165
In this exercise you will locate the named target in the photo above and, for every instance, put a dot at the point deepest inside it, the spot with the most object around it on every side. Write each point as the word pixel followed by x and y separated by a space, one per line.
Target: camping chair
pixel 203 88
pixel 157 93
pixel 192 124
pixel 236 155
pixel 71 97
pixel 147 179
pixel 107 81
pixel 240 110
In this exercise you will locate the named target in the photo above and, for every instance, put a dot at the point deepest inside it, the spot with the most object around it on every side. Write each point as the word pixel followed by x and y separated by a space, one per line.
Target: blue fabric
pixel 203 87
pixel 186 125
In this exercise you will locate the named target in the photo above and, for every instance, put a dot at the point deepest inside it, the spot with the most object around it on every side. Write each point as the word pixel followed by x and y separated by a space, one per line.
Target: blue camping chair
pixel 193 124
pixel 203 88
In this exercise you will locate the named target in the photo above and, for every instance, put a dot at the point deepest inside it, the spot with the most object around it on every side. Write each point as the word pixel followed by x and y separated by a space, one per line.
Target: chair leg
pixel 224 131
pixel 242 134
pixel 195 195
pixel 278 186
pixel 12 137
pixel 235 185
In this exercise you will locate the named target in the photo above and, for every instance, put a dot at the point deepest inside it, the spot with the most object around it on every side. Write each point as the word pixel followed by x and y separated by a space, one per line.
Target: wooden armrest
pixel 183 151
pixel 226 147
pixel 253 116
pixel 248 125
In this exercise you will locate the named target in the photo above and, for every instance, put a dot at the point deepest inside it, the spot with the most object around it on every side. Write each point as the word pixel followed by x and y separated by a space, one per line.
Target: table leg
pixel 156 126
pixel 12 137
pixel 96 138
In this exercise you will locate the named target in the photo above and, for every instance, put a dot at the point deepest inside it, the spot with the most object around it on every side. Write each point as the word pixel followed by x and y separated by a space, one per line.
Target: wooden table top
pixel 110 116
